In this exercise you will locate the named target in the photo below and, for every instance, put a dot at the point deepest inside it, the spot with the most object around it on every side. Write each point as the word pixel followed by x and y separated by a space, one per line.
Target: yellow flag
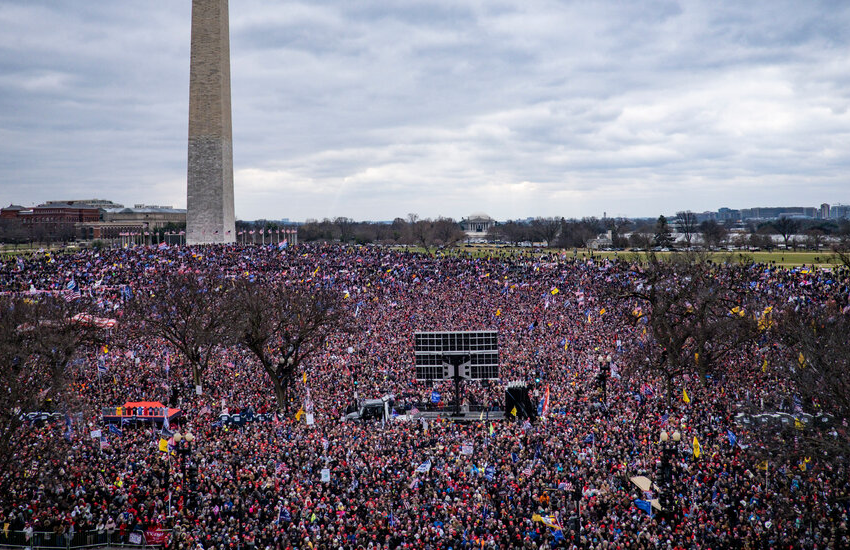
pixel 163 445
pixel 685 397
pixel 798 424
pixel 299 414
pixel 602 311
pixel 801 359
pixel 555 291
pixel 105 349
pixel 588 317
pixel 764 365
pixel 697 448
pixel 696 358
pixel 513 411
pixel 498 311
pixel 304 378
pixel 762 466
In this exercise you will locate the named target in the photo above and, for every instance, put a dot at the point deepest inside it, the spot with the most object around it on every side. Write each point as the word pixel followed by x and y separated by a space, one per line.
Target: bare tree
pixel 687 225
pixel 641 237
pixel 186 311
pixel 446 232
pixel 695 313
pixel 816 367
pixel 345 227
pixel 713 234
pixel 786 227
pixel 546 229
pixel 815 238
pixel 283 326
pixel 422 232
pixel 514 232
pixel 38 339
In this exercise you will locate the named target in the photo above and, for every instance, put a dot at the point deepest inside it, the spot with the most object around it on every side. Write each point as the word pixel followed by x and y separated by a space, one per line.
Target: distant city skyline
pixel 824 211
pixel 371 110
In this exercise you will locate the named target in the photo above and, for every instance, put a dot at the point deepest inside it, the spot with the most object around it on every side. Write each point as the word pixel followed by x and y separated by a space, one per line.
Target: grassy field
pixel 780 258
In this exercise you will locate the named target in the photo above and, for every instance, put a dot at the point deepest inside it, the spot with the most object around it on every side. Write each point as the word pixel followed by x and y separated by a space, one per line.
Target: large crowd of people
pixel 562 481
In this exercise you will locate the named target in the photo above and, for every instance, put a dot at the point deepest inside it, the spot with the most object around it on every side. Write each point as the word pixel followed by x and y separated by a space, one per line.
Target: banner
pixel 156 536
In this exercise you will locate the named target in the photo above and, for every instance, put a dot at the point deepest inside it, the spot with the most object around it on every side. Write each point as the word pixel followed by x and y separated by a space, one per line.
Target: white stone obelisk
pixel 210 216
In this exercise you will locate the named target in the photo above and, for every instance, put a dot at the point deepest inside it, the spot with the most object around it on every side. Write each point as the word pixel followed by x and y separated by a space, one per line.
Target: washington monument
pixel 210 214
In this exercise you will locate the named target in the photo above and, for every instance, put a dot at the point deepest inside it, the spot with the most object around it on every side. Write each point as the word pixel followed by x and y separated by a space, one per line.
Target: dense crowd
pixel 406 483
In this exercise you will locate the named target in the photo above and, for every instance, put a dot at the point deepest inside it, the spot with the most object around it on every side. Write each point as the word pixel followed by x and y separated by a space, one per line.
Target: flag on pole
pixel 644 505
pixel 685 397
pixel 697 448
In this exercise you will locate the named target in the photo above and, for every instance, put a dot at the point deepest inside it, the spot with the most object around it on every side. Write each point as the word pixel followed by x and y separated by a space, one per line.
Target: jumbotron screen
pixel 481 346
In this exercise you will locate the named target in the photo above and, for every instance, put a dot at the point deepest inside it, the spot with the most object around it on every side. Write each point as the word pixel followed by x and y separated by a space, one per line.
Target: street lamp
pixel 184 451
pixel 668 452
pixel 604 374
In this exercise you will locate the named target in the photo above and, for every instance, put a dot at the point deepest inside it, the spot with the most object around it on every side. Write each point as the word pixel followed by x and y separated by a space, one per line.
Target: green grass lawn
pixel 782 258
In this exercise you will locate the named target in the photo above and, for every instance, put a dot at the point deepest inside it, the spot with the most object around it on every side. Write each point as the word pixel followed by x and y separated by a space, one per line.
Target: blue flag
pixel 435 397
pixel 589 439
pixel 733 439
pixel 644 505
pixel 68 433
pixel 113 429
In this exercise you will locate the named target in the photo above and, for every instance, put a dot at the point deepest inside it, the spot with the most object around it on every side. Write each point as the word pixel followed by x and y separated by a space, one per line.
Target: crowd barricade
pixel 155 538
pixel 242 418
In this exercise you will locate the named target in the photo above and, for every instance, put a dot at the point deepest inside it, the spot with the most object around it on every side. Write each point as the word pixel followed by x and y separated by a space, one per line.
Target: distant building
pixel 140 219
pixel 824 211
pixel 839 211
pixel 55 220
pixel 477 225
pixel 727 214
pixel 97 203
pixel 88 219
pixel 776 212
pixel 603 240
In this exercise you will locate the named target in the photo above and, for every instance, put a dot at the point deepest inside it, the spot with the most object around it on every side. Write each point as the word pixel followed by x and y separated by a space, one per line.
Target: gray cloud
pixel 375 109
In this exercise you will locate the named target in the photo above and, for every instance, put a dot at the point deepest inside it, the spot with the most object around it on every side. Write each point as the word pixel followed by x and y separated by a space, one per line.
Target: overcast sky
pixel 376 109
